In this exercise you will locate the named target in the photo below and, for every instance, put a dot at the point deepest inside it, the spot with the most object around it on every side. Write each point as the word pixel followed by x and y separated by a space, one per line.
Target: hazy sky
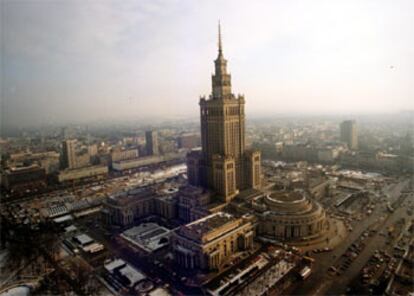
pixel 78 60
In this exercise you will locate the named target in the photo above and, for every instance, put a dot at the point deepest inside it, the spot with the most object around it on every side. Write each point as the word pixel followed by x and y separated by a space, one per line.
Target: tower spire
pixel 219 39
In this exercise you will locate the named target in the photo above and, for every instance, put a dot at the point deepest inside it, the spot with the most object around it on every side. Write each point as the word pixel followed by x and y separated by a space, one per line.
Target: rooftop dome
pixel 290 215
pixel 288 202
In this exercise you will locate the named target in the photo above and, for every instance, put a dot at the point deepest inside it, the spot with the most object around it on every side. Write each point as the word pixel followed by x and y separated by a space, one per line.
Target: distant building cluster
pixel 79 161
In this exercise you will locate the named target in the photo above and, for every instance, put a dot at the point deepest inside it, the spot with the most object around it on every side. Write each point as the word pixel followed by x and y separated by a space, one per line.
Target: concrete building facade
pixel 349 134
pixel 69 154
pixel 151 140
pixel 73 157
pixel 124 154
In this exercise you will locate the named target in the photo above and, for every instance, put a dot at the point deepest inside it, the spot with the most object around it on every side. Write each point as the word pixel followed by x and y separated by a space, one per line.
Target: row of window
pixel 229 111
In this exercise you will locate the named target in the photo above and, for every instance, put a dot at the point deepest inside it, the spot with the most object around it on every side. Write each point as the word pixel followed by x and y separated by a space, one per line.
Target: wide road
pixel 377 242
pixel 320 282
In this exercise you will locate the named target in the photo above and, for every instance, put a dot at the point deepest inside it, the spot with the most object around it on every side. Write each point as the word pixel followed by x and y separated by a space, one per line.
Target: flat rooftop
pixel 210 223
pixel 83 239
pixel 117 263
pixel 191 190
pixel 23 169
pixel 134 276
pixel 123 198
pixel 147 236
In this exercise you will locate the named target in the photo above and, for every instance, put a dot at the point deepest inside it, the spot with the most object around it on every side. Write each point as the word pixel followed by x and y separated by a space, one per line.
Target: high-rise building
pixel 69 154
pixel 349 133
pixel 151 138
pixel 93 150
pixel 223 165
pixel 72 156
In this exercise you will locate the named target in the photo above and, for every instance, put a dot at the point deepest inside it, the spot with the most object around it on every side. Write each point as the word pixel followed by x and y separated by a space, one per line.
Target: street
pixel 321 282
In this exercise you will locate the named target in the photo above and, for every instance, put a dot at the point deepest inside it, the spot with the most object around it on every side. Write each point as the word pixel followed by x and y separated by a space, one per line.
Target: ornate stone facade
pixel 125 208
pixel 191 200
pixel 290 216
pixel 210 241
pixel 224 165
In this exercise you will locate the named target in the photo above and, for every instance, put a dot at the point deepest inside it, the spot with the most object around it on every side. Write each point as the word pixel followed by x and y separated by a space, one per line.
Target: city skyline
pixel 104 61
pixel 206 148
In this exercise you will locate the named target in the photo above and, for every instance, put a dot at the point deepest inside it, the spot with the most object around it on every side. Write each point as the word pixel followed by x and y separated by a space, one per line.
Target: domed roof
pixel 288 202
pixel 286 197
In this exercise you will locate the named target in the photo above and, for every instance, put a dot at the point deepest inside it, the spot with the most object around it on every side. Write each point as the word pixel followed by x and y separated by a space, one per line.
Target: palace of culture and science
pixel 223 165
pixel 227 170
pixel 222 208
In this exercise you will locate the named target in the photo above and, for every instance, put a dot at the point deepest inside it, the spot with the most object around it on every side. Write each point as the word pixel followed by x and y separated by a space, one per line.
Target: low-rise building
pixel 89 172
pixel 125 207
pixel 191 200
pixel 328 155
pixel 209 242
pixel 23 178
pixel 49 160
pixel 120 274
pixel 318 187
pixel 189 141
pixel 122 165
pixel 124 154
pixel 166 206
pixel 297 152
pixel 148 237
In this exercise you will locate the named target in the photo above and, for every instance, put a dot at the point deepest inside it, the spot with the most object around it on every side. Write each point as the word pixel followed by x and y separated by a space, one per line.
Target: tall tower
pixel 224 165
pixel 69 154
pixel 151 142
pixel 349 134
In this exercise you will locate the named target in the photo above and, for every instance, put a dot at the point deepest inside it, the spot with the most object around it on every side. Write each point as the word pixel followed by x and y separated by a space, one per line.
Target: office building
pixel 151 139
pixel 85 173
pixel 68 154
pixel 74 156
pixel 124 154
pixel 24 178
pixel 349 134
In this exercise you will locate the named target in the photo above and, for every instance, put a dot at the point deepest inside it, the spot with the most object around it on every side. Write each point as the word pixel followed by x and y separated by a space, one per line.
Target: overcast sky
pixel 89 60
